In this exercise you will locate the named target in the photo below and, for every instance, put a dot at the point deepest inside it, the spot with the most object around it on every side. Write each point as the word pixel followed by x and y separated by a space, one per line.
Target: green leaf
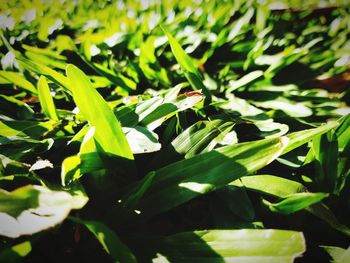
pixel 134 197
pixel 191 72
pixel 44 70
pixel 245 245
pixel 46 100
pixel 299 138
pixel 236 201
pixel 88 160
pixel 339 255
pixel 109 240
pixel 126 83
pixel 15 108
pixel 296 110
pixel 142 140
pixel 108 131
pixel 343 132
pixel 34 129
pixel 281 187
pixel 18 80
pixel 16 252
pixel 182 58
pixel 246 79
pixel 295 202
pixel 201 137
pixel 168 109
pixel 32 209
pixel 325 149
pixel 271 185
pixel 203 173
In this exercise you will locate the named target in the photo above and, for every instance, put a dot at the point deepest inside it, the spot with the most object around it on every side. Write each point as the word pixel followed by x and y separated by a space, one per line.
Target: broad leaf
pixel 299 138
pixel 32 209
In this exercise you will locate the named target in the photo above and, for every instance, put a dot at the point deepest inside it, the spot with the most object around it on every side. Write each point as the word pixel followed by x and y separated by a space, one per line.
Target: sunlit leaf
pixel 32 209
pixel 245 245
pixel 184 180
pixel 295 202
pixel 46 100
pixel 108 132
pixel 18 80
pixel 16 252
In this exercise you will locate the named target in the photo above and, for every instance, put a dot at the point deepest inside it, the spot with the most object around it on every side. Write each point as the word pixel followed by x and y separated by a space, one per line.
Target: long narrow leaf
pixel 46 100
pixel 299 138
pixel 281 187
pixel 245 245
pixel 191 72
pixel 18 80
pixel 186 179
pixel 109 241
pixel 108 131
pixel 295 202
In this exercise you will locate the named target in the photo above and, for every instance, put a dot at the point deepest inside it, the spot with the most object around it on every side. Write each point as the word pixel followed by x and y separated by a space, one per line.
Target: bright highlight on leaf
pixel 174 131
pixel 246 245
pixel 108 132
pixel 46 100
pixel 32 209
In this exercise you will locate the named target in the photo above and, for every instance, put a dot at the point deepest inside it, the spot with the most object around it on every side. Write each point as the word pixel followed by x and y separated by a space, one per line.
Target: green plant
pixel 174 132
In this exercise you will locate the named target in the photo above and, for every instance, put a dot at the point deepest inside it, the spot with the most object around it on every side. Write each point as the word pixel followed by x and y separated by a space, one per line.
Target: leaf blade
pixel 110 242
pixel 46 100
pixel 108 131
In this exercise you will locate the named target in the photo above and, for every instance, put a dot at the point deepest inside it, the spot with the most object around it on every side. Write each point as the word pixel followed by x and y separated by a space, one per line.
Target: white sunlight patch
pixel 197 187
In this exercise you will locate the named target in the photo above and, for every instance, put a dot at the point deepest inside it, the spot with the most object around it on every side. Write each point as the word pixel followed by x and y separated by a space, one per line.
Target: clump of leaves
pixel 170 132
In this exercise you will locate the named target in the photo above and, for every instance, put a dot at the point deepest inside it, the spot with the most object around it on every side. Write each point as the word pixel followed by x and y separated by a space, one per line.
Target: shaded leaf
pixel 16 252
pixel 109 240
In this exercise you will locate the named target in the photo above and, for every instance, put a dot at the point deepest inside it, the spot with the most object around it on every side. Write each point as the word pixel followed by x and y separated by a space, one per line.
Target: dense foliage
pixel 174 131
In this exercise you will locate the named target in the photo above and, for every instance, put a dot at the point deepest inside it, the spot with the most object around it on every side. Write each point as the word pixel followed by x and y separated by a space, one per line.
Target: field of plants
pixel 175 131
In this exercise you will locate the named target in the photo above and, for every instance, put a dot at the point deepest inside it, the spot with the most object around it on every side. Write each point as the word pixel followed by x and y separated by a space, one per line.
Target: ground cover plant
pixel 174 131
